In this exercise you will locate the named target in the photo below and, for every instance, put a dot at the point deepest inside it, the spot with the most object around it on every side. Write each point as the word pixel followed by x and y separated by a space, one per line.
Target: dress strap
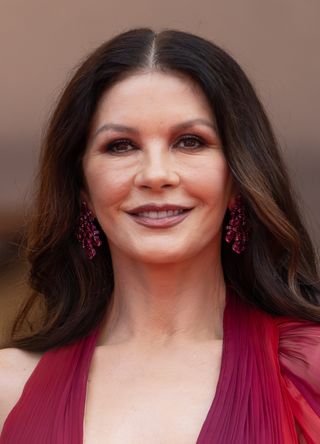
pixel 51 407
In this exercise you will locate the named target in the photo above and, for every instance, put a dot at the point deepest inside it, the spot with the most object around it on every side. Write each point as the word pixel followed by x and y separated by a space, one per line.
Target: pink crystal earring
pixel 238 226
pixel 87 233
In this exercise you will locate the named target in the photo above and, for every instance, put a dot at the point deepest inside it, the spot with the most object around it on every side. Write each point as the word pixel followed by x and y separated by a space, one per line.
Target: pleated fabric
pixel 268 390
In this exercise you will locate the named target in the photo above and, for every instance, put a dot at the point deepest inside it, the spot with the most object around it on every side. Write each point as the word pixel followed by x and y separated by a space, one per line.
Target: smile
pixel 160 219
pixel 159 214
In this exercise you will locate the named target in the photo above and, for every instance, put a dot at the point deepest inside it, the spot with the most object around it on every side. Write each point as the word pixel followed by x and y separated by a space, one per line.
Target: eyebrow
pixel 129 129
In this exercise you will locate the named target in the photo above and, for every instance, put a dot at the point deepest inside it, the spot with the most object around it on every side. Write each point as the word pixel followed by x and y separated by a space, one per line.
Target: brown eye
pixel 120 146
pixel 192 142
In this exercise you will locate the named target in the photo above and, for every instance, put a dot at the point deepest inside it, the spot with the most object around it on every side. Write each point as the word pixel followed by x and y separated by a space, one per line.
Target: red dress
pixel 268 390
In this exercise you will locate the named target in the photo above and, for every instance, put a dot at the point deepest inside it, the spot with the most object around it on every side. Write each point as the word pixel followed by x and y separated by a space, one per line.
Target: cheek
pixel 212 181
pixel 107 187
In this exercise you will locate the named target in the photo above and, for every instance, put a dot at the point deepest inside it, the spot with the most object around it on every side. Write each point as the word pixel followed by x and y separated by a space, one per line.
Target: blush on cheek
pixel 110 193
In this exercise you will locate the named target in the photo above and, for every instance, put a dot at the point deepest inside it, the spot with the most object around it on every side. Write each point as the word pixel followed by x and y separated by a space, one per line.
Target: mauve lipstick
pixel 158 207
pixel 163 222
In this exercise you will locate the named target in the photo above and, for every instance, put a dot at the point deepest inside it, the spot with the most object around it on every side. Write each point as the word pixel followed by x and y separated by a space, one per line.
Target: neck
pixel 166 303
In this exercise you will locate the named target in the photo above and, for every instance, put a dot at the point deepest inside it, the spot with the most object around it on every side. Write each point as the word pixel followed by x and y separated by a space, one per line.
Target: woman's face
pixel 153 142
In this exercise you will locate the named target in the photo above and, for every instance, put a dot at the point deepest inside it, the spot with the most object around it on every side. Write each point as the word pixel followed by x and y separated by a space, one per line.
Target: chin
pixel 163 256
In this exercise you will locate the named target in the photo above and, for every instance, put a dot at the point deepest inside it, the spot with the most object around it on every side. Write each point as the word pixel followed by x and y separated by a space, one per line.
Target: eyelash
pixel 110 146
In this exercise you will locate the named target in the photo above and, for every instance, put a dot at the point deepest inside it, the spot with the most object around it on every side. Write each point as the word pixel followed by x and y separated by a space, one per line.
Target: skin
pixel 169 286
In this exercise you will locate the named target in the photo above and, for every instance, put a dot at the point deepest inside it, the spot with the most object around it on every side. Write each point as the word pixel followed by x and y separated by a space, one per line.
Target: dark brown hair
pixel 277 272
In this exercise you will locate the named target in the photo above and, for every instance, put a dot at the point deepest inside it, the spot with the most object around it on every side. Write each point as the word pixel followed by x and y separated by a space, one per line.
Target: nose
pixel 157 170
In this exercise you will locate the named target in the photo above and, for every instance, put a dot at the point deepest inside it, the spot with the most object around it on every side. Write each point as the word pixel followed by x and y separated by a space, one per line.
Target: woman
pixel 180 286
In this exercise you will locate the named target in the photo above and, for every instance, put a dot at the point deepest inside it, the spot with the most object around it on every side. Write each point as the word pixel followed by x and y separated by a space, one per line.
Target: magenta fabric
pixel 268 390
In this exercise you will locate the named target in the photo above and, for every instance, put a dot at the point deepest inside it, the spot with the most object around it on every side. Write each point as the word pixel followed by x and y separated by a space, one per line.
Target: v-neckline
pixel 220 383
pixel 224 355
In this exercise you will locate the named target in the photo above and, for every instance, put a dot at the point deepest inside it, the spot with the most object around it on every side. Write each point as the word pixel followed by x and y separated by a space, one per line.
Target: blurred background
pixel 41 42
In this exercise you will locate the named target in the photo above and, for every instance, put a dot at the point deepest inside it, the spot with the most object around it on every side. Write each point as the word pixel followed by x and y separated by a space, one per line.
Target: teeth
pixel 160 214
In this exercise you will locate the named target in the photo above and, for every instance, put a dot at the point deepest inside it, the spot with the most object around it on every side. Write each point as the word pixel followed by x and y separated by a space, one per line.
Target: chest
pixel 158 399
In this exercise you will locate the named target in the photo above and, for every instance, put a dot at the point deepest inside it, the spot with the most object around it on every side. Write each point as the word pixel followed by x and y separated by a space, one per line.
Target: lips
pixel 160 219
pixel 158 208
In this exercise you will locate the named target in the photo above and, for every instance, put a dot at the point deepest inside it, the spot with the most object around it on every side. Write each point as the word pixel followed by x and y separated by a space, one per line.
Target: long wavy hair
pixel 278 271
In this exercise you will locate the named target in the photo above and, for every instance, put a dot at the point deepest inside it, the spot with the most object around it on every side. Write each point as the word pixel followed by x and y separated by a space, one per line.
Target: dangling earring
pixel 238 226
pixel 87 233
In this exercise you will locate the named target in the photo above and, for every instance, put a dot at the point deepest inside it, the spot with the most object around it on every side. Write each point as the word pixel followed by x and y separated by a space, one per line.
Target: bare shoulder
pixel 16 366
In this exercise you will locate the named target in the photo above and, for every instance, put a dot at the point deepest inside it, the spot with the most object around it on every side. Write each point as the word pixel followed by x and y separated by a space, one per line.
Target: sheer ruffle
pixel 299 357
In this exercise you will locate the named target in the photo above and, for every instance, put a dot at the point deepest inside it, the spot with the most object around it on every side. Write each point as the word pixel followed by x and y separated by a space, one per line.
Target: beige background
pixel 276 42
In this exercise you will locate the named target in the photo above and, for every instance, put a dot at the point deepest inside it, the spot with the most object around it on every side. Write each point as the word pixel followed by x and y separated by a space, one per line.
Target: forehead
pixel 152 96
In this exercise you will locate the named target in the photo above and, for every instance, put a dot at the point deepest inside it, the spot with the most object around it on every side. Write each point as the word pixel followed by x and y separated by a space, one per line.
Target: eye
pixel 191 141
pixel 119 146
